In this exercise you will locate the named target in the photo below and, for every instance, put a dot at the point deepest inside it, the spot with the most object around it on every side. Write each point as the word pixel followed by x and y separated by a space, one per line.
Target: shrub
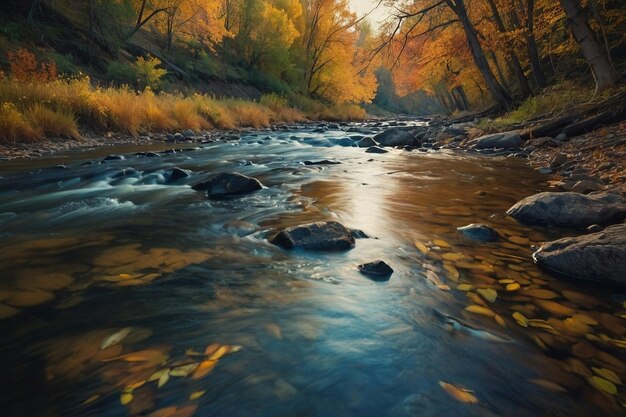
pixel 149 74
pixel 14 127
pixel 57 123
pixel 25 67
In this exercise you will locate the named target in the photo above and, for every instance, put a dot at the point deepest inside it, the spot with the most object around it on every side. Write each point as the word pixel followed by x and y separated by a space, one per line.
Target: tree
pixel 603 73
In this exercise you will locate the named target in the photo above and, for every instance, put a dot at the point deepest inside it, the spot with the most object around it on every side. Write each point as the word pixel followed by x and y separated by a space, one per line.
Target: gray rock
pixel 322 236
pixel 189 134
pixel 376 149
pixel 598 256
pixel 366 142
pixel 586 186
pixel 561 137
pixel 568 209
pixel 228 185
pixel 177 174
pixel 170 138
pixel 544 170
pixel 594 228
pixel 322 162
pixel 178 137
pixel 395 137
pixel 377 270
pixel 345 142
pixel 558 160
pixel 503 140
pixel 480 232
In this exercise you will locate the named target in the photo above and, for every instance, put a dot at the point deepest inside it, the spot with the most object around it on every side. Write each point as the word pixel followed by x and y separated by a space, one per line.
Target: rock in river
pixel 376 149
pixel 504 140
pixel 568 209
pixel 377 270
pixel 228 185
pixel 480 232
pixel 325 236
pixel 598 256
pixel 366 142
pixel 395 137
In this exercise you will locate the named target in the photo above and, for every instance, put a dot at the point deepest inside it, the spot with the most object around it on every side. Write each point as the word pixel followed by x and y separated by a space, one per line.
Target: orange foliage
pixel 25 67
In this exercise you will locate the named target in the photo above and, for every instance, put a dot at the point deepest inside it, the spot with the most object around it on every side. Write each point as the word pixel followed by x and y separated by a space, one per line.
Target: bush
pixel 122 73
pixel 140 74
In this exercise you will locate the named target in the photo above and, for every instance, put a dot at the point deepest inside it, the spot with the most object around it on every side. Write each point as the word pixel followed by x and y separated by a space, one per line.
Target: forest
pixel 425 57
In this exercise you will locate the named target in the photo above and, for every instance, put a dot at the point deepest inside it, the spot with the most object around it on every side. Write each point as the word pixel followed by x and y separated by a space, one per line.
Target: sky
pixel 363 6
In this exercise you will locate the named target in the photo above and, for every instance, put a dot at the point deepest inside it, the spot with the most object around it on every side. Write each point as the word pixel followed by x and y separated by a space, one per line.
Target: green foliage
pixel 65 63
pixel 273 101
pixel 11 31
pixel 122 73
pixel 149 74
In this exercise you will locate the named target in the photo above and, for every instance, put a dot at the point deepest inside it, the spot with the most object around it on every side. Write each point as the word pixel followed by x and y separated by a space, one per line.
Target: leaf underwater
pixel 484 311
pixel 488 294
pixel 458 393
pixel 602 384
pixel 115 338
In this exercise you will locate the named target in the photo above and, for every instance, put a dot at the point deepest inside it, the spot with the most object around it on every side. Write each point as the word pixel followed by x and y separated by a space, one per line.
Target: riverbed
pixel 125 292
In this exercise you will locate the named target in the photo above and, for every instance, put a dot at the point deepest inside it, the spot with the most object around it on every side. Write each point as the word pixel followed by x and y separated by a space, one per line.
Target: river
pixel 123 292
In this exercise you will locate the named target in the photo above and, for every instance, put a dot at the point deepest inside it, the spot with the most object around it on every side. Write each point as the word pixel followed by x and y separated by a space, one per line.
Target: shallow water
pixel 112 275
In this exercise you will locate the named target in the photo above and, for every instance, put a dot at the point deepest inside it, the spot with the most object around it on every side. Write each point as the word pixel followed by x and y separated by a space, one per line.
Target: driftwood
pixel 608 111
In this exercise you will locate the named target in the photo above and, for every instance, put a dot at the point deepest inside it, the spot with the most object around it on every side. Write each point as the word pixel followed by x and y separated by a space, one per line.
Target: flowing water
pixel 123 292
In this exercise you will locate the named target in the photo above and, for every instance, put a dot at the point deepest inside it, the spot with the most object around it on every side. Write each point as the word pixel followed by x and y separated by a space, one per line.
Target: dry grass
pixel 32 110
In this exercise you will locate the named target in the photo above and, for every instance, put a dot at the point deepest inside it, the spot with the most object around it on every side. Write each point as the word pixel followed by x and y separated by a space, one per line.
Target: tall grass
pixel 32 110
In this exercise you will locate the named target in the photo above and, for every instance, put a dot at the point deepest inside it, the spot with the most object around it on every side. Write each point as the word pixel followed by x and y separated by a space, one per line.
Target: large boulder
pixel 228 185
pixel 366 142
pixel 503 140
pixel 323 236
pixel 396 137
pixel 568 209
pixel 598 256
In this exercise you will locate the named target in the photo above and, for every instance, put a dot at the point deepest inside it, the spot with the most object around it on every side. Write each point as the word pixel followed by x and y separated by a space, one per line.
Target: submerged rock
pixel 366 142
pixel 376 149
pixel 176 174
pixel 395 137
pixel 568 209
pixel 480 232
pixel 377 270
pixel 228 185
pixel 324 236
pixel 598 256
pixel 322 162
pixel 504 140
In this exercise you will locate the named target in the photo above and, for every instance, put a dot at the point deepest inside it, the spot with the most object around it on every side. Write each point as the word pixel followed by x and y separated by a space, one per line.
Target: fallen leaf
pixel 554 308
pixel 183 371
pixel 203 369
pixel 520 319
pixel 513 287
pixel 163 378
pixel 464 287
pixel 453 256
pixel 488 294
pixel 602 384
pixel 115 338
pixel 608 375
pixel 548 385
pixel 196 395
pixel 8 311
pixel 441 243
pixel 126 398
pixel 500 320
pixel 458 393
pixel 541 293
pixel 164 412
pixel 476 309
pixel 422 248
pixel 91 399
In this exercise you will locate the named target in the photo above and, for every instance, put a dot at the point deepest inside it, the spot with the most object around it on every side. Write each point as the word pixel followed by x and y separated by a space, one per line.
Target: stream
pixel 124 292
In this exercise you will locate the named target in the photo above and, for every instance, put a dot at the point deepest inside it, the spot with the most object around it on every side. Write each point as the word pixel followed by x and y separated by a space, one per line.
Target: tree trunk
pixel 498 93
pixel 603 73
pixel 34 7
pixel 461 92
pixel 531 45
pixel 513 61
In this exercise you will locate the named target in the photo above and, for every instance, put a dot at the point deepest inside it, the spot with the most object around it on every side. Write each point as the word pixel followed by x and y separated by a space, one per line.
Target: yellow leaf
pixel 115 338
pixel 584 319
pixel 126 398
pixel 196 395
pixel 422 248
pixel 91 399
pixel 125 276
pixel 520 319
pixel 441 243
pixel 540 293
pixel 476 309
pixel 608 374
pixel 454 273
pixel 453 256
pixel 602 384
pixel 203 369
pixel 183 371
pixel 221 351
pixel 488 294
pixel 165 376
pixel 157 375
pixel 554 308
pixel 458 393
pixel 464 287
pixel 506 281
pixel 513 287
pixel 500 320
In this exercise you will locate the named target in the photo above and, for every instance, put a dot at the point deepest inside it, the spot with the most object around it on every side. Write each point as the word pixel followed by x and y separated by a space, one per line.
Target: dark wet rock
pixel 376 149
pixel 323 236
pixel 366 142
pixel 359 234
pixel 178 137
pixel 594 228
pixel 113 158
pixel 189 134
pixel 345 142
pixel 229 138
pixel 377 270
pixel 598 256
pixel 170 138
pixel 395 137
pixel 127 172
pixel 322 162
pixel 228 185
pixel 568 209
pixel 561 137
pixel 176 174
pixel 60 167
pixel 152 154
pixel 558 160
pixel 480 232
pixel 503 140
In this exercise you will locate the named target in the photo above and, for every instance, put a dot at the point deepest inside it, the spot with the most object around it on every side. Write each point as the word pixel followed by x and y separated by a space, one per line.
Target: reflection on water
pixel 124 292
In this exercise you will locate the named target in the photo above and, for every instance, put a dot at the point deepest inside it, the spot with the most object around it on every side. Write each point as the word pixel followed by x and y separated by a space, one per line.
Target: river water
pixel 123 292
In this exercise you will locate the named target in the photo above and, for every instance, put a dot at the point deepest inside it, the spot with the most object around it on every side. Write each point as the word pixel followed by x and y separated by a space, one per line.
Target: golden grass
pixel 30 111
